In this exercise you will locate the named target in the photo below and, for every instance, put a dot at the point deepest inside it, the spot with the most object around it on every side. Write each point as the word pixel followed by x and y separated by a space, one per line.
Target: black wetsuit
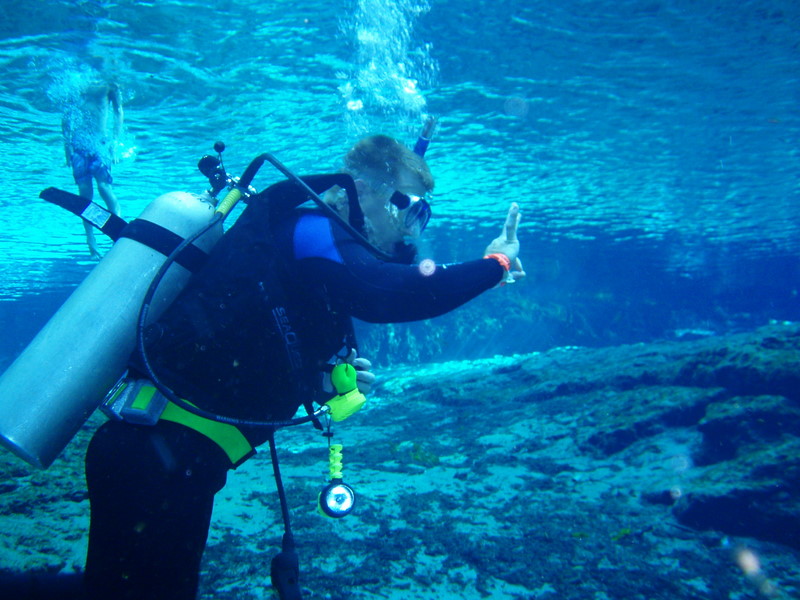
pixel 152 488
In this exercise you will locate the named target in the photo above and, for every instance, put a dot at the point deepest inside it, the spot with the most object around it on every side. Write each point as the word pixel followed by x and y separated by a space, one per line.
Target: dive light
pixel 337 499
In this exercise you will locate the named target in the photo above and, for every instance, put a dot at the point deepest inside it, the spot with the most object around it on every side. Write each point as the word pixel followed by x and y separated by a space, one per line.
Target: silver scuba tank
pixel 53 387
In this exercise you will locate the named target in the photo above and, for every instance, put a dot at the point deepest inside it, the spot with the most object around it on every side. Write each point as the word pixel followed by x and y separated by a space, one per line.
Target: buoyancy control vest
pixel 240 340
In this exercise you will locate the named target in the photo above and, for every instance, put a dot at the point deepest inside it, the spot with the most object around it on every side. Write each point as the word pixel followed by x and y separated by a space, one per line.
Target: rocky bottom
pixel 666 470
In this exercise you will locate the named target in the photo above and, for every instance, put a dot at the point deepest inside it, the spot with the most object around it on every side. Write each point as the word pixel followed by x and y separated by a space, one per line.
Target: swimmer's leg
pixel 86 190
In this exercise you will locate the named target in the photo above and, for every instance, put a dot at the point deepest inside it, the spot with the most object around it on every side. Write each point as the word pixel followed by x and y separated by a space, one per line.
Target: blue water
pixel 652 145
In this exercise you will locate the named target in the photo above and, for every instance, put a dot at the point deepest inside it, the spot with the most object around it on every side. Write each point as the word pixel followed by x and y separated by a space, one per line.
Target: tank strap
pixel 151 235
pixel 104 220
pixel 164 241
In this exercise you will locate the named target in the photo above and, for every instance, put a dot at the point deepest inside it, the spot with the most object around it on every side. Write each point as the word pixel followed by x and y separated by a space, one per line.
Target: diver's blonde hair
pixel 382 159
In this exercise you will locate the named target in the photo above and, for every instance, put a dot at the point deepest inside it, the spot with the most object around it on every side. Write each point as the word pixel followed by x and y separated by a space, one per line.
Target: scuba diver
pixel 246 343
pixel 250 336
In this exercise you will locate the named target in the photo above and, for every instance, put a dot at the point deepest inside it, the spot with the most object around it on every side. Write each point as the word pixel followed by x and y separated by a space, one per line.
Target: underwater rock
pixel 739 424
pixel 631 415
pixel 754 495
pixel 750 488
pixel 737 397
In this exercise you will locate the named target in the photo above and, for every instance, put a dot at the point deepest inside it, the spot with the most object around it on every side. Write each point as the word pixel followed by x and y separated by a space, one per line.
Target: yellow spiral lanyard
pixel 337 499
pixel 335 461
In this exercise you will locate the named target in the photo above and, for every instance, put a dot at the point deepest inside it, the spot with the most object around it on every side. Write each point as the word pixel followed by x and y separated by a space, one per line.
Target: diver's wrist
pixel 504 261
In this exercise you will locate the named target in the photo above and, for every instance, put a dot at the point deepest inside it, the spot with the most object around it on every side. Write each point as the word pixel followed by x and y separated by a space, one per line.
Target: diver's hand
pixel 364 375
pixel 516 272
pixel 508 243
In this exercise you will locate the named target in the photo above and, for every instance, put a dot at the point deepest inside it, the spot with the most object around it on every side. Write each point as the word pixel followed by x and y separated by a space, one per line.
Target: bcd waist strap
pixel 227 437
pixel 140 403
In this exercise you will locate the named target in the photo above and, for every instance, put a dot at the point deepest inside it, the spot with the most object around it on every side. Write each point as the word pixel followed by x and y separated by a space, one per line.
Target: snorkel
pixel 405 252
pixel 426 135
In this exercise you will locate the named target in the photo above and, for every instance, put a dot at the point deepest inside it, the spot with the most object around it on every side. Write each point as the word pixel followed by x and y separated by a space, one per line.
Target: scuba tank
pixel 52 388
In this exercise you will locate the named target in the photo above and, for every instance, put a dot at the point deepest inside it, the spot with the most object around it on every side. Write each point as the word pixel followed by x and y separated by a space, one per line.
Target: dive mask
pixel 417 207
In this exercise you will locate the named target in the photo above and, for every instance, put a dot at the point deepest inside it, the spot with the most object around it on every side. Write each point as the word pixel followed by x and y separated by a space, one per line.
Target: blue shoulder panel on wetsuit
pixel 313 238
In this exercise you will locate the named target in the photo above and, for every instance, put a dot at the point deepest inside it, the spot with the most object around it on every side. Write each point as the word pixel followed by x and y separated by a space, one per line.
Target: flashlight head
pixel 337 499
